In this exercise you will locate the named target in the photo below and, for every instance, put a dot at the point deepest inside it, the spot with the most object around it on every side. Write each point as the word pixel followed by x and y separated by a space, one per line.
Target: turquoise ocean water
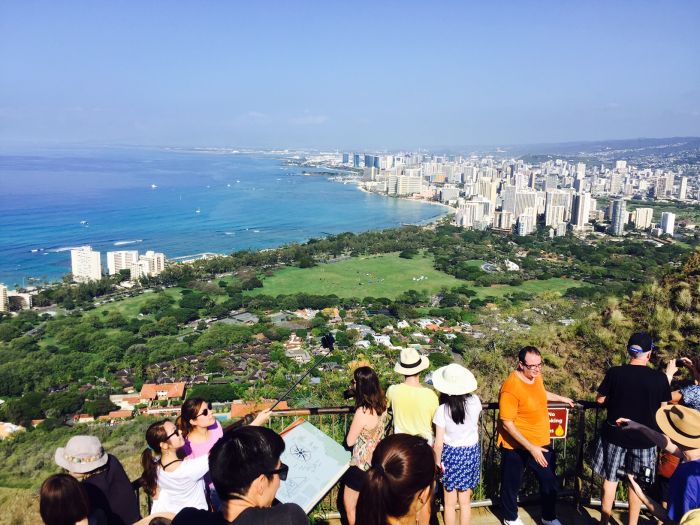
pixel 179 203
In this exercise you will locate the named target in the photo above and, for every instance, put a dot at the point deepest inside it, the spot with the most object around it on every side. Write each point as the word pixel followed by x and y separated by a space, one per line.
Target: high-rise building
pixel 356 160
pixel 619 216
pixel 86 265
pixel 526 223
pixel 121 260
pixel 620 165
pixel 407 185
pixel 615 183
pixel 643 218
pixel 346 158
pixel 503 220
pixel 369 161
pixel 661 188
pixel 4 303
pixel 582 208
pixel 580 170
pixel 668 221
pixel 683 188
pixel 150 264
pixel 556 198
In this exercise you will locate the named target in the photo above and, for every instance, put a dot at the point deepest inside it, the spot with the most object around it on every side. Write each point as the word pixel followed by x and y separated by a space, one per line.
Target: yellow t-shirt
pixel 526 405
pixel 413 408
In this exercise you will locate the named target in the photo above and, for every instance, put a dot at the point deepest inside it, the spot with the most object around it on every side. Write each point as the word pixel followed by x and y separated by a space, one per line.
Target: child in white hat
pixel 457 449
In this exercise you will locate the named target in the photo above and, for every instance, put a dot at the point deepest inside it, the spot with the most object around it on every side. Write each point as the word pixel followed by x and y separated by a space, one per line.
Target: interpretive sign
pixel 316 462
pixel 558 422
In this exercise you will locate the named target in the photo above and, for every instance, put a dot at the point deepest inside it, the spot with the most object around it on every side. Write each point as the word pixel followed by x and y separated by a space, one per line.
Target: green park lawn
pixel 371 276
pixel 131 306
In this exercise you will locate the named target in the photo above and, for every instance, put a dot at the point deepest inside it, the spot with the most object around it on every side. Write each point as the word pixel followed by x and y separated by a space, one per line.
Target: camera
pixel 327 341
pixel 349 393
pixel 680 362
pixel 645 476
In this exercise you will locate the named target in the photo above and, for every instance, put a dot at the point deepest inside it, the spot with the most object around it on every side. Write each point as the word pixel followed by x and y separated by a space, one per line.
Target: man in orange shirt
pixel 523 436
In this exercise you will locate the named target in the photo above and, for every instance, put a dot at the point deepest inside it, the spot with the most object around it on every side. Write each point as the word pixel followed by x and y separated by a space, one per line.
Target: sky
pixel 347 75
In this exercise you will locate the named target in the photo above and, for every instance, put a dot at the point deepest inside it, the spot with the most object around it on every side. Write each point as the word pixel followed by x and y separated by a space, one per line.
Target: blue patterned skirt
pixel 462 467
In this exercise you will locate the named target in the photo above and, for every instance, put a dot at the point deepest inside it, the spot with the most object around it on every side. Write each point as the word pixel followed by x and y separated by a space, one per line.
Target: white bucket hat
pixel 411 362
pixel 81 454
pixel 454 380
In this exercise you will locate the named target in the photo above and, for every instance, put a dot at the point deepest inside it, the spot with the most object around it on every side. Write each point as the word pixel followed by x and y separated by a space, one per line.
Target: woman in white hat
pixel 457 449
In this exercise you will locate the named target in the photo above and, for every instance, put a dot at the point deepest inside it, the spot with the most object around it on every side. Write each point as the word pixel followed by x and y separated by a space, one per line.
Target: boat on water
pixel 153 186
pixel 197 210
pixel 83 222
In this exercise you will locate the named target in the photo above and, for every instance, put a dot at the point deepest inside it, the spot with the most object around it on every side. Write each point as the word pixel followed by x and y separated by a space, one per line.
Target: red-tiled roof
pixel 117 414
pixel 174 390
pixel 241 408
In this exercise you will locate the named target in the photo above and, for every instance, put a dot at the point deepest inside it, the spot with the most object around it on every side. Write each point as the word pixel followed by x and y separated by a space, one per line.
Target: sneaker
pixel 516 521
pixel 555 521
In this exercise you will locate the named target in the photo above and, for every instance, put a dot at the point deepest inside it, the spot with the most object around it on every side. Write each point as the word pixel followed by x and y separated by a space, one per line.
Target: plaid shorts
pixel 608 458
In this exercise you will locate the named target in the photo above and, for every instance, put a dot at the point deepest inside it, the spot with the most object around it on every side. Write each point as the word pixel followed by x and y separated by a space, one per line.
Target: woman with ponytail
pixel 172 483
pixel 399 483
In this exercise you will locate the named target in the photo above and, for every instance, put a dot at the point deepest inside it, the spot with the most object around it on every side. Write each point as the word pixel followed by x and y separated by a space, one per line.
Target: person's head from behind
pixel 195 412
pixel 245 464
pixel 368 392
pixel 63 501
pixel 640 346
pixel 530 362
pixel 399 482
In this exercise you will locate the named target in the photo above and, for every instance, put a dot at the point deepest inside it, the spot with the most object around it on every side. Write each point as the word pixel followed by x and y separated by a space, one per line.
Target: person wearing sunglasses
pixel 523 436
pixel 246 469
pixel 172 483
pixel 631 391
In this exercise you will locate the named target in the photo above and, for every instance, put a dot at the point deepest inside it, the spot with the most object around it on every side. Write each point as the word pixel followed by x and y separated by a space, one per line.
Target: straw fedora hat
pixel 81 454
pixel 681 424
pixel 454 380
pixel 411 362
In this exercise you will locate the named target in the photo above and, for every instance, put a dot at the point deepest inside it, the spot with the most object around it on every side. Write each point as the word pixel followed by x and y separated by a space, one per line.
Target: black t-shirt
pixel 111 491
pixel 635 392
pixel 284 514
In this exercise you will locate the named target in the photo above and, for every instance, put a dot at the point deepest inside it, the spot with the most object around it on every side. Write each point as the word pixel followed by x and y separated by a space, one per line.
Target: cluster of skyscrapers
pixel 512 195
pixel 86 264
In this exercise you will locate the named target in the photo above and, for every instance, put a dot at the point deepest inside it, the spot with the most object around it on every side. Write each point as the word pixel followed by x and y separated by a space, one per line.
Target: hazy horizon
pixel 360 76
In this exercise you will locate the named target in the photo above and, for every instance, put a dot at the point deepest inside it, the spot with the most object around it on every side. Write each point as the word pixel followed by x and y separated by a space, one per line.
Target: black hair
pixel 241 456
pixel 456 406
pixel 368 392
pixel 527 350
pixel 63 500
pixel 402 466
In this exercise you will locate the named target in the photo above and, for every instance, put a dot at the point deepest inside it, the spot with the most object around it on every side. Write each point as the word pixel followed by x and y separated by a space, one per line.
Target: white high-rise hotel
pixel 149 264
pixel 86 265
pixel 4 304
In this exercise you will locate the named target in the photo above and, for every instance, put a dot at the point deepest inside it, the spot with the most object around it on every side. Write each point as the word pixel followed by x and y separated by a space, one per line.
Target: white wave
pixel 65 249
pixel 256 231
pixel 124 243
pixel 229 233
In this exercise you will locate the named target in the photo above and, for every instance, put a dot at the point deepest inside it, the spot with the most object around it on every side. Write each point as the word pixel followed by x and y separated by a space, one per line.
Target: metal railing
pixel 577 482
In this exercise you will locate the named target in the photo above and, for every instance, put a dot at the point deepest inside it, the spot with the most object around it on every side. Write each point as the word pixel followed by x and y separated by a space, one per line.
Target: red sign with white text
pixel 558 422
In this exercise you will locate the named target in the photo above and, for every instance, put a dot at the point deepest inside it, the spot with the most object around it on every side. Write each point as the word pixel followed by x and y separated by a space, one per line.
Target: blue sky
pixel 347 74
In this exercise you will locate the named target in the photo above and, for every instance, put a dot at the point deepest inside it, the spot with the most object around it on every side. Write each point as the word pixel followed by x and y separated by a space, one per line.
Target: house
pixel 117 414
pixel 294 343
pixel 362 344
pixel 240 408
pixel 83 418
pixel 152 391
pixel 383 340
pixel 7 429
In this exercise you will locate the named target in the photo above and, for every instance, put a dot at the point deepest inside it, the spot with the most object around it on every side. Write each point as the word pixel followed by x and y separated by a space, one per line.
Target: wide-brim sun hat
pixel 411 362
pixel 681 424
pixel 454 380
pixel 81 454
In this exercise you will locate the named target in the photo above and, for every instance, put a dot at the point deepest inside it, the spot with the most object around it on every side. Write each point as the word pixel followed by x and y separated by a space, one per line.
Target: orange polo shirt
pixel 526 405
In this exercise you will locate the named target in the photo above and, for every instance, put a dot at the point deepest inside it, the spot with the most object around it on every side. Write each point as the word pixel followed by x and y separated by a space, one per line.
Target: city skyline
pixel 367 76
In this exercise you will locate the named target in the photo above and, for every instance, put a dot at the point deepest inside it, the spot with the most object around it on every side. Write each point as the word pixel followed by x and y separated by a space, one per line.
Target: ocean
pixel 175 202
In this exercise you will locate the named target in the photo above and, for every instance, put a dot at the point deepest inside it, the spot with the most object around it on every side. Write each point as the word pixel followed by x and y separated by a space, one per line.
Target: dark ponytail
pixel 456 405
pixel 402 466
pixel 150 457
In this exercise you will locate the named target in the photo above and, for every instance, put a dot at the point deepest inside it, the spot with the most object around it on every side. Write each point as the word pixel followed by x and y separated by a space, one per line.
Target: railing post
pixel 581 443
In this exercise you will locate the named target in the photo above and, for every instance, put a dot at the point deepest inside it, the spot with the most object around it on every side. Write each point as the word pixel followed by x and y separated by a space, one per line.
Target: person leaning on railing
pixel 681 436
pixel 246 469
pixel 523 436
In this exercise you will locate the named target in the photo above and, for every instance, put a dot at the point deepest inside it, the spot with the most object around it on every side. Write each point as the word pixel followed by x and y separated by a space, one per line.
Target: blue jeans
pixel 513 464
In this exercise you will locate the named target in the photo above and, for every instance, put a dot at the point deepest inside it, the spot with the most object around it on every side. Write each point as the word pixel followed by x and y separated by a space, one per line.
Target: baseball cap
pixel 640 343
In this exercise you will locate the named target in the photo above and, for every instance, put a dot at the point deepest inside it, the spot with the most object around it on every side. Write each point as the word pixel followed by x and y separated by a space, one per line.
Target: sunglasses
pixel 176 432
pixel 205 412
pixel 282 471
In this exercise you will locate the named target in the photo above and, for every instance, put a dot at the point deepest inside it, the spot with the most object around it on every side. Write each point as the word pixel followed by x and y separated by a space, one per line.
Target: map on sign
pixel 316 462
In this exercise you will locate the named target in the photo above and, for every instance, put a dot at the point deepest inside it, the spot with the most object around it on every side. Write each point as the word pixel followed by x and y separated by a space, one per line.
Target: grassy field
pixel 131 306
pixel 532 287
pixel 373 276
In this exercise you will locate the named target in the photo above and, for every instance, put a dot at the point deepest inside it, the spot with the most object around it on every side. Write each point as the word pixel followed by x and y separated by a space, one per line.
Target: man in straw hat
pixel 103 477
pixel 523 436
pixel 412 404
pixel 681 437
